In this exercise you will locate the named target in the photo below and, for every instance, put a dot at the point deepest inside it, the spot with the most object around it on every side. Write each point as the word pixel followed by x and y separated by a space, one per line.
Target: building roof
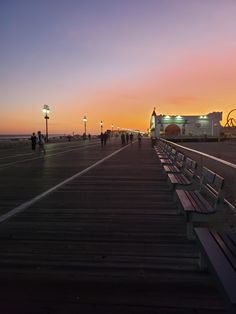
pixel 154 112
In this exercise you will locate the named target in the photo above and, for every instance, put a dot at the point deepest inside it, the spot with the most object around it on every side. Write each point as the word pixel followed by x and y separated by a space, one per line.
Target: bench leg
pixel 177 202
pixel 189 231
pixel 170 185
pixel 189 227
pixel 202 262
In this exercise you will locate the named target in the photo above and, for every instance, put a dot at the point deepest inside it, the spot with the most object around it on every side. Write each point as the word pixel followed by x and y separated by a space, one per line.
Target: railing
pixel 224 168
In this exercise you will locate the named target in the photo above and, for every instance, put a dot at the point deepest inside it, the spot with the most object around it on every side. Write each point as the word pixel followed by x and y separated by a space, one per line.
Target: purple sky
pixel 99 58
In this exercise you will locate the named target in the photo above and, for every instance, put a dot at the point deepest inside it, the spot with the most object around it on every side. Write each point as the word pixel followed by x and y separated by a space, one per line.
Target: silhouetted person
pixel 127 138
pixel 131 137
pixel 41 142
pixel 89 136
pixel 153 141
pixel 139 138
pixel 122 139
pixel 105 135
pixel 33 141
pixel 102 139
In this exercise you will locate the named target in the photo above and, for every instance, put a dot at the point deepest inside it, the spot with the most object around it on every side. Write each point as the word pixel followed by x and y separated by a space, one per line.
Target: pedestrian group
pixel 38 140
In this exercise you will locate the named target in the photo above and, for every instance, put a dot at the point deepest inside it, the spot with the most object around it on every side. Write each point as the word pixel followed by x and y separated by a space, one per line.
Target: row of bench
pixel 200 199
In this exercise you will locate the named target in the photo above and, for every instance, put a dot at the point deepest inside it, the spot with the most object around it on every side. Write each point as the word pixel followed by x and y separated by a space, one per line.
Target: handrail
pixel 203 154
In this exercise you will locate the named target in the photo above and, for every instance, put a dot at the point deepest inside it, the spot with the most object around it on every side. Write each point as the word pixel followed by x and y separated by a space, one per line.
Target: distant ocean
pixel 22 136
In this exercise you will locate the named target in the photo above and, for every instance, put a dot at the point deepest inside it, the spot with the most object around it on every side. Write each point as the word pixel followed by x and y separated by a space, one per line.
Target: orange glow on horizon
pixel 196 86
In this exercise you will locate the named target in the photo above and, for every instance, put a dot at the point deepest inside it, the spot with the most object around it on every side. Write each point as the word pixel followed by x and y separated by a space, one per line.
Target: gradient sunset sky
pixel 114 60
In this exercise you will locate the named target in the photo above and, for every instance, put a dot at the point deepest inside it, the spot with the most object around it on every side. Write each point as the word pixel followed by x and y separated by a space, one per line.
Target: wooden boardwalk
pixel 109 241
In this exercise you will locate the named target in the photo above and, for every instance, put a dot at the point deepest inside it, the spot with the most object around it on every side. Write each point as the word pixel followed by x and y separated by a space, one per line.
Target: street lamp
pixel 101 124
pixel 46 112
pixel 112 126
pixel 85 121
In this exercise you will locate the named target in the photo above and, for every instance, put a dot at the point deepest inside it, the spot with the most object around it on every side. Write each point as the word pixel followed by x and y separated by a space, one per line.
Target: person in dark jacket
pixel 127 138
pixel 122 139
pixel 131 137
pixel 33 141
pixel 102 139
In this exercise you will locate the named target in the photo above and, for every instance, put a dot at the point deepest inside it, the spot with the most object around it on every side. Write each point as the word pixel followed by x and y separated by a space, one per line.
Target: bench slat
pixel 165 161
pixel 197 205
pixel 171 168
pixel 219 263
pixel 203 206
pixel 178 178
pixel 187 205
pixel 192 201
pixel 227 246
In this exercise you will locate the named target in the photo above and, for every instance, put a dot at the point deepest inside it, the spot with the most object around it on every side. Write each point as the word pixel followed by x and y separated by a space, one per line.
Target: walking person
pixel 153 141
pixel 139 139
pixel 127 138
pixel 41 142
pixel 131 137
pixel 33 141
pixel 102 139
pixel 122 139
pixel 105 138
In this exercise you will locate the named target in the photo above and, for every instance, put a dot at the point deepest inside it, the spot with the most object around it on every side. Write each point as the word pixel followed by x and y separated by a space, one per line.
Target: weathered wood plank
pixel 111 241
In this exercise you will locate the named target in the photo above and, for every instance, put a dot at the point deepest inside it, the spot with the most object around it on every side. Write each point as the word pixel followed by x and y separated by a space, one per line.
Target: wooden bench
pixel 170 159
pixel 218 254
pixel 179 163
pixel 165 152
pixel 160 146
pixel 202 202
pixel 187 175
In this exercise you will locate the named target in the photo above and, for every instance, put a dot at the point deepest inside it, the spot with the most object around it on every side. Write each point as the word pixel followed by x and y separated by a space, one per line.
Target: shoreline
pixel 8 143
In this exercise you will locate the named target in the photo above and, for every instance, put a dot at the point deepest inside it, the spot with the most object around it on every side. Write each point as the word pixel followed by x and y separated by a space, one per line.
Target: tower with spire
pixel 153 123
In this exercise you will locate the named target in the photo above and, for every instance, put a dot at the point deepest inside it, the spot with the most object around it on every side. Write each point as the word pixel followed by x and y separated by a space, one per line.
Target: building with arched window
pixel 200 125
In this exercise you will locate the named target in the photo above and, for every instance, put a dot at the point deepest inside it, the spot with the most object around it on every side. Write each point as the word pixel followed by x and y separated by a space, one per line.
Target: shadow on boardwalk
pixel 109 242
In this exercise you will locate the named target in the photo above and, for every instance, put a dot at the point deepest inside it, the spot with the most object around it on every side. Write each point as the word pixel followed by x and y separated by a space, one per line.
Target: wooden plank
pixel 112 230
pixel 219 263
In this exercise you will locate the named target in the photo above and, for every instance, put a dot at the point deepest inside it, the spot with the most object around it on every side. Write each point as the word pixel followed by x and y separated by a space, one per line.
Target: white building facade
pixel 201 125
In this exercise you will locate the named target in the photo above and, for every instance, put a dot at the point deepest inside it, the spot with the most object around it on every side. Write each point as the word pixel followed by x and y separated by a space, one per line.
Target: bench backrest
pixel 211 185
pixel 179 161
pixel 167 150
pixel 172 154
pixel 190 167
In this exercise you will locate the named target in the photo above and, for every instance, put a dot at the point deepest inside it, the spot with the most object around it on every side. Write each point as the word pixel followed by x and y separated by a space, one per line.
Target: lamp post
pixel 112 127
pixel 85 121
pixel 101 124
pixel 46 112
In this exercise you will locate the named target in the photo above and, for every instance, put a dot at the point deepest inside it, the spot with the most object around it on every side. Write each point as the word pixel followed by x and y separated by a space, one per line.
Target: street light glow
pixel 46 112
pixel 46 109
pixel 85 128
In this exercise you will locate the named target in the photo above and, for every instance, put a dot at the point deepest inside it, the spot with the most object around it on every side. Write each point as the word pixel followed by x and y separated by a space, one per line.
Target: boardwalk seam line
pixel 27 204
pixel 4 166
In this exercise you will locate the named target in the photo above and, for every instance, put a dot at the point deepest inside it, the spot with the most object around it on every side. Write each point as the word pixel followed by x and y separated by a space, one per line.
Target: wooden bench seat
pixel 202 202
pixel 164 154
pixel 179 163
pixel 193 201
pixel 170 159
pixel 187 175
pixel 218 254
pixel 178 178
pixel 171 168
